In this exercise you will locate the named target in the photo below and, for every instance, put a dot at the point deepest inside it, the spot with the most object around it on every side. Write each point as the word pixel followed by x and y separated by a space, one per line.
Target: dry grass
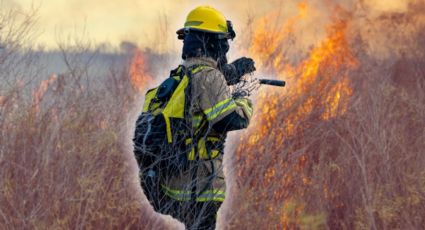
pixel 66 158
pixel 360 169
pixel 65 153
pixel 363 170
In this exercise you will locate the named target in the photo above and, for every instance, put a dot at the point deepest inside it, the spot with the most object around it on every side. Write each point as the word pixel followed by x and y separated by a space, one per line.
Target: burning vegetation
pixel 139 73
pixel 341 147
pixel 326 153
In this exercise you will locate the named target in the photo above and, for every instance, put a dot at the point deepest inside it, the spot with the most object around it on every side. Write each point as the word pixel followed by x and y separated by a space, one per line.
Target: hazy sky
pixel 115 21
pixel 142 21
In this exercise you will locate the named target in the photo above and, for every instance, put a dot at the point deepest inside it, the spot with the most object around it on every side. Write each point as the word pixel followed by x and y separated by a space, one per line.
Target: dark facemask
pixel 200 44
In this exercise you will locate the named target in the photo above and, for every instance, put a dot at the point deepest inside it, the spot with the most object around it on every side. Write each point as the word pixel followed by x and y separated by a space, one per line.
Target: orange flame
pixel 318 89
pixel 140 78
pixel 268 38
pixel 322 67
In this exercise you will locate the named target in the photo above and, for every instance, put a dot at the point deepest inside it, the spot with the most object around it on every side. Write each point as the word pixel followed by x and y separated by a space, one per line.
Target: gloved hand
pixel 244 65
pixel 246 105
pixel 234 71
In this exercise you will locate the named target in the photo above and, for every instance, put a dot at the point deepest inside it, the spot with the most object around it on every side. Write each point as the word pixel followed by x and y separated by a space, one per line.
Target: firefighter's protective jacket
pixel 211 103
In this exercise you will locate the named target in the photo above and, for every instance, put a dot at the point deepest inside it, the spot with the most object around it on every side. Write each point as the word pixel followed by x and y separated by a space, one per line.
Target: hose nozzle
pixel 272 82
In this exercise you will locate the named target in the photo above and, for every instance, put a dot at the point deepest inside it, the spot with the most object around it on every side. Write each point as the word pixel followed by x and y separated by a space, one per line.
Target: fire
pixel 139 75
pixel 321 71
pixel 318 89
pixel 331 56
pixel 268 39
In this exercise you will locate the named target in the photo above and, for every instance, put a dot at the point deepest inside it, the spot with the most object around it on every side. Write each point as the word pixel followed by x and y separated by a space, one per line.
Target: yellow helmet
pixel 207 19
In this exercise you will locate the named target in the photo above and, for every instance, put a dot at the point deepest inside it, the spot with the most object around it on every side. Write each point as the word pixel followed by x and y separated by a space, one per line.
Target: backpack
pixel 161 130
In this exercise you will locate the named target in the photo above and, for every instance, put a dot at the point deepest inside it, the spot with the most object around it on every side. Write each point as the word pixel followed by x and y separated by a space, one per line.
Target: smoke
pixel 153 23
pixel 9 4
pixel 392 30
pixel 387 28
pixel 147 23
pixel 387 6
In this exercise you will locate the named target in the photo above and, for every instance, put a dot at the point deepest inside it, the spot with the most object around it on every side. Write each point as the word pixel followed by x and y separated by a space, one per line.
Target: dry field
pixel 341 147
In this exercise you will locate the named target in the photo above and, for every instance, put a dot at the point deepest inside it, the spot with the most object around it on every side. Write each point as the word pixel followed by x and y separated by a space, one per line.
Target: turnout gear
pixel 180 135
pixel 246 105
pixel 170 121
pixel 194 195
pixel 211 102
pixel 195 215
pixel 177 146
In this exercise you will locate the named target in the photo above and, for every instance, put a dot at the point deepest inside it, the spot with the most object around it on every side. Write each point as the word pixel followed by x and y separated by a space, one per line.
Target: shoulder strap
pixel 177 71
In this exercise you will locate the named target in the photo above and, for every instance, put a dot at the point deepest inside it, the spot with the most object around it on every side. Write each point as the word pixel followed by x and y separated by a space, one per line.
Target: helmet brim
pixel 183 31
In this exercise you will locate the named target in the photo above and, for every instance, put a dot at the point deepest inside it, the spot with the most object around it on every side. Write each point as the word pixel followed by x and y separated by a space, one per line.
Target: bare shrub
pixel 65 153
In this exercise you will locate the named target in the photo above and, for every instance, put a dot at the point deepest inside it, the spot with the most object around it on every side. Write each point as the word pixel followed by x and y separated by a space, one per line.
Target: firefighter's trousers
pixel 195 215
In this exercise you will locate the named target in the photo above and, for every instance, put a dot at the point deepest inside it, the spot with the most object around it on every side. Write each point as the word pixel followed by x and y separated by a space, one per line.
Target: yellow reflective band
pixel 199 68
pixel 248 109
pixel 223 102
pixel 213 139
pixel 242 102
pixel 212 197
pixel 183 195
pixel 177 194
pixel 220 108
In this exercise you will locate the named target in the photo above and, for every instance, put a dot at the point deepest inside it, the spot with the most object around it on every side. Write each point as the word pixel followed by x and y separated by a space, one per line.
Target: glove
pixel 244 65
pixel 234 71
pixel 246 105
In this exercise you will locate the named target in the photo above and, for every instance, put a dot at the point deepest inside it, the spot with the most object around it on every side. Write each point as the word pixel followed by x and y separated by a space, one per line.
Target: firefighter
pixel 194 194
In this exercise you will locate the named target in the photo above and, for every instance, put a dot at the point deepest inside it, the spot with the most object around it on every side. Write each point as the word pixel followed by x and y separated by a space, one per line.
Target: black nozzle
pixel 272 82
